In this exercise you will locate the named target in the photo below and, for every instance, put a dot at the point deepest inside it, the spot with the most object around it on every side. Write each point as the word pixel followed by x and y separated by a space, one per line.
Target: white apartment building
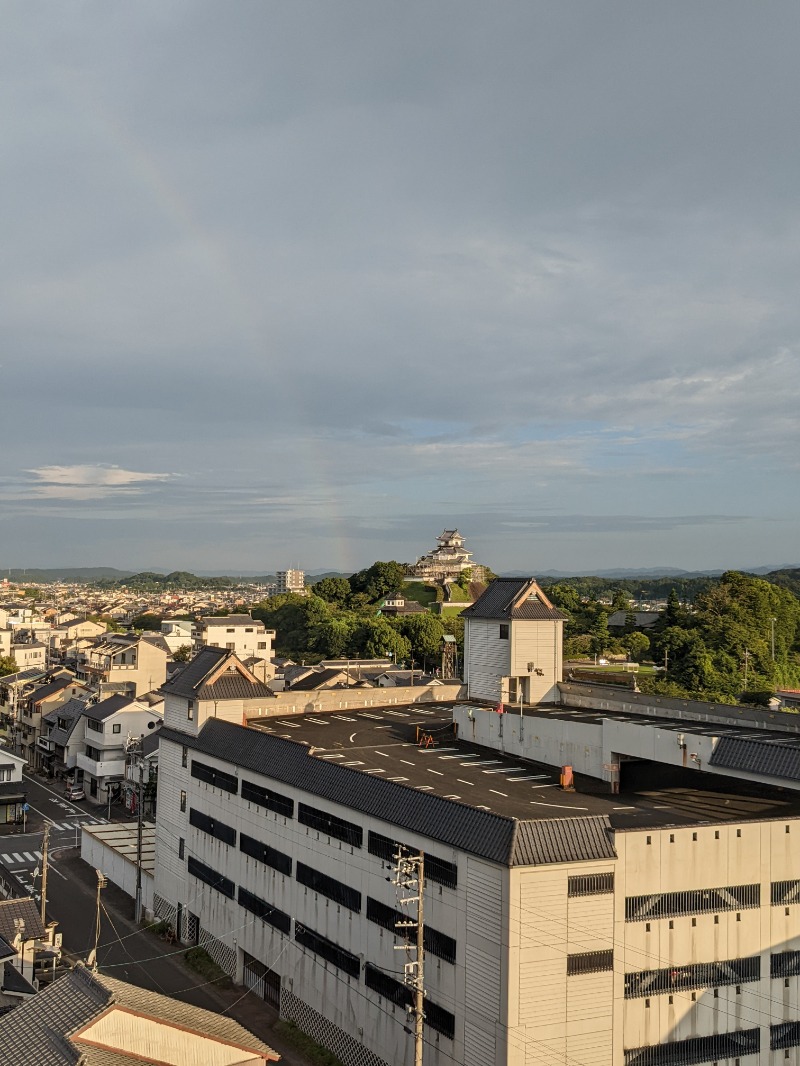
pixel 657 926
pixel 290 581
pixel 125 663
pixel 239 633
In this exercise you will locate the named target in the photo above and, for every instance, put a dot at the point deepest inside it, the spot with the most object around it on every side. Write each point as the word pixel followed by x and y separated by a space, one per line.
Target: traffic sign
pixel 26 806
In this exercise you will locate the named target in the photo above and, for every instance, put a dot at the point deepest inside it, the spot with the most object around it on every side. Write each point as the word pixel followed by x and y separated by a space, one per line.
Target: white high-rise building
pixel 291 581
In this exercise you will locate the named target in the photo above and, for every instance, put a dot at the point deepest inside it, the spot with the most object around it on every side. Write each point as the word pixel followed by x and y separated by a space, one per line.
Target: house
pixel 396 604
pixel 126 663
pixel 40 700
pixel 12 788
pixel 642 620
pixel 108 728
pixel 513 637
pixel 239 633
pixel 320 678
pixel 177 633
pixel 88 1019
pixel 25 944
pixel 63 636
pixel 61 740
pixel 6 635
pixel 29 656
pixel 293 581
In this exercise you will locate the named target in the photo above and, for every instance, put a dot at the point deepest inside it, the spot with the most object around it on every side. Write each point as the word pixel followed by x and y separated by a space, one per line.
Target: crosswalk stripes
pixel 72 825
pixel 15 858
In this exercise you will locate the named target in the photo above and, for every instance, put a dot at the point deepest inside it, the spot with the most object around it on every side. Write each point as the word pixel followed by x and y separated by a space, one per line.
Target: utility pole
pixel 139 804
pixel 102 882
pixel 746 661
pixel 772 622
pixel 410 882
pixel 45 842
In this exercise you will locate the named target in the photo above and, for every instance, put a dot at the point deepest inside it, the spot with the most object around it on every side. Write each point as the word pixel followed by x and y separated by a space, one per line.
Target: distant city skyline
pixel 315 281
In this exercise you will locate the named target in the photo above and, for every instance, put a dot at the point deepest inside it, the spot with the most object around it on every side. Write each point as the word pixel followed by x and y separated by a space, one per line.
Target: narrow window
pixel 694 836
pixel 672 838
pixel 183 800
pixel 190 710
pixel 738 832
pixel 716 834
pixel 184 756
pixel 503 631
pixel 181 847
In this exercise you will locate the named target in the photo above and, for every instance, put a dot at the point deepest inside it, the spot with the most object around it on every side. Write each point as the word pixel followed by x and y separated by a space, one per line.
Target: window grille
pixel 693 975
pixel 784 1034
pixel 279 919
pixel 692 901
pixel 225 833
pixel 265 797
pixel 697 1049
pixel 436 1017
pixel 329 824
pixel 436 943
pixel 218 778
pixel 328 886
pixel 590 962
pixel 785 964
pixel 783 892
pixel 264 853
pixel 211 877
pixel 439 870
pixel 327 949
pixel 590 885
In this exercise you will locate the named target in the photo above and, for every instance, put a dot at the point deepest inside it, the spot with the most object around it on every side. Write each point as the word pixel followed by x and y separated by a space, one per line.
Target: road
pixel 125 950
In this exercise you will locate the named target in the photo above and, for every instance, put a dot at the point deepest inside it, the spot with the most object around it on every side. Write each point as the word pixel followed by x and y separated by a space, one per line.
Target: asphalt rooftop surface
pixel 383 742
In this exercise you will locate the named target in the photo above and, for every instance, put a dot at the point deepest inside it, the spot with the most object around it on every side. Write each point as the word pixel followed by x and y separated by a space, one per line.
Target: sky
pixel 304 283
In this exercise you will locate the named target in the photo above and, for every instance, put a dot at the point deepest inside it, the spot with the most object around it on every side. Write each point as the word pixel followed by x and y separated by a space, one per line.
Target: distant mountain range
pixel 89 574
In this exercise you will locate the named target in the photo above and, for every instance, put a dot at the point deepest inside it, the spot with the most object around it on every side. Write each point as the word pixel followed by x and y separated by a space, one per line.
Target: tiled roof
pixel 234 686
pixel 13 981
pixel 190 678
pixel 105 708
pixel 497 602
pixel 563 840
pixel 24 908
pixel 37 1033
pixel 50 689
pixel 766 757
pixel 72 711
pixel 491 836
pixel 317 679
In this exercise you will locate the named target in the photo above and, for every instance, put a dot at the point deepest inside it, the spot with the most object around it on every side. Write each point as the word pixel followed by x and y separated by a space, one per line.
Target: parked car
pixel 74 792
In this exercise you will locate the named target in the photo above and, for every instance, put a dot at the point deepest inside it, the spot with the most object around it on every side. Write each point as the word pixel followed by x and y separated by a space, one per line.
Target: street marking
pixel 354 762
pixel 29 857
pixel 461 781
pixel 17 857
pixel 292 725
pixel 563 806
pixel 498 793
pixel 437 772
pixel 408 763
pixel 398 714
pixel 366 714
pixel 318 721
pixel 530 777
pixel 424 788
pixel 452 796
pixel 435 751
pixel 337 755
pixel 397 779
pixel 382 754
pixel 377 770
pixel 343 718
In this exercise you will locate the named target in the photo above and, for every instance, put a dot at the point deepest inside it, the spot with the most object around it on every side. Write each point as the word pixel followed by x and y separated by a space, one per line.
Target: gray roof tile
pixel 497 602
pixel 773 759
pixel 190 678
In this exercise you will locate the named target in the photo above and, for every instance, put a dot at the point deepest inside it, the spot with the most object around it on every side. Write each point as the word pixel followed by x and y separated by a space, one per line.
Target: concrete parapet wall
pixel 613 699
pixel 353 699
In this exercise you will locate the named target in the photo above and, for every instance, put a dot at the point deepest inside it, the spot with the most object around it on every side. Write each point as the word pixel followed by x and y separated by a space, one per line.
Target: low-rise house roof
pixel 511 599
pixel 216 674
pixel 88 1019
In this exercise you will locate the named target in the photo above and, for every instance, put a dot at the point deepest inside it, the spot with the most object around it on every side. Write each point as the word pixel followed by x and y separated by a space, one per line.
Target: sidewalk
pixel 132 953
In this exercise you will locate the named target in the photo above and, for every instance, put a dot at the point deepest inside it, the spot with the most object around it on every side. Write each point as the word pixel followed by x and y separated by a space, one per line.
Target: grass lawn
pixel 419 591
pixel 451 608
pixel 457 595
pixel 644 670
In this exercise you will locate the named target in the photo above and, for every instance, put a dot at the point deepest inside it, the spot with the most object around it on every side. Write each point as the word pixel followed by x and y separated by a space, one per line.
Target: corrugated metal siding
pixel 489 660
pixel 479 1045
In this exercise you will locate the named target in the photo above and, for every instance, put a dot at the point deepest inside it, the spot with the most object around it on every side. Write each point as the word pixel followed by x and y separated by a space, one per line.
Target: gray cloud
pixel 350 268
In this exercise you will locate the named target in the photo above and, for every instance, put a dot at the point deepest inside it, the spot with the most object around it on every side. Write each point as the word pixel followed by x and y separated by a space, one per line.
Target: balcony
pixel 43 744
pixel 101 767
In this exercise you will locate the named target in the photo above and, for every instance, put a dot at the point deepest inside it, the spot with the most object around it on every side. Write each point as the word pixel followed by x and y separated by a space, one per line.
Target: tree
pixel 148 621
pixel 599 633
pixel 621 601
pixel 183 654
pixel 424 633
pixel 378 579
pixel 8 665
pixel 673 615
pixel 637 645
pixel 376 637
pixel 630 621
pixel 335 590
